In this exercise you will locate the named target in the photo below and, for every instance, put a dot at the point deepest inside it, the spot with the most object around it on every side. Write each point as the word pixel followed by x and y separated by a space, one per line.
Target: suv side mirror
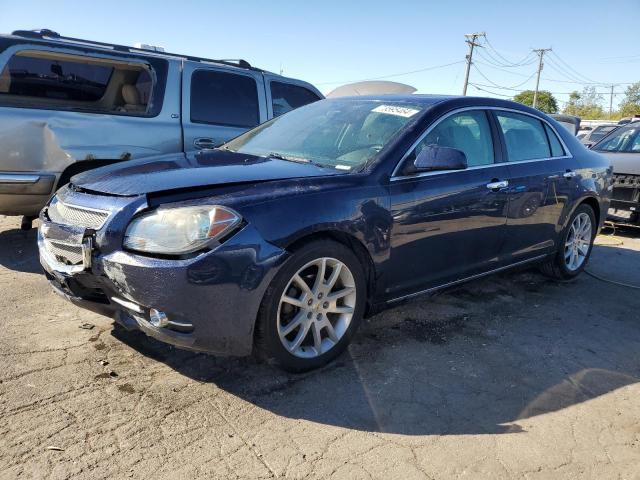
pixel 435 157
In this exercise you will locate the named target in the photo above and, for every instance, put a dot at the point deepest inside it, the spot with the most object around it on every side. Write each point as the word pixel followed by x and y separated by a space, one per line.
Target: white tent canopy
pixel 373 87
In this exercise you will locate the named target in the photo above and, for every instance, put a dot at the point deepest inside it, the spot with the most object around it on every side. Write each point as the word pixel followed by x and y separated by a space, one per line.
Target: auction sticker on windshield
pixel 395 110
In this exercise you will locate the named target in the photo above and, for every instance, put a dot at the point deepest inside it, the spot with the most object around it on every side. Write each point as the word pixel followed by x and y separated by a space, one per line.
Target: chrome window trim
pixel 395 176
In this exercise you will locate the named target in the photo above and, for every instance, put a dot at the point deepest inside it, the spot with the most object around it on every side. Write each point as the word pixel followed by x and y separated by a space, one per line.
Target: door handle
pixel 498 184
pixel 204 143
pixel 569 174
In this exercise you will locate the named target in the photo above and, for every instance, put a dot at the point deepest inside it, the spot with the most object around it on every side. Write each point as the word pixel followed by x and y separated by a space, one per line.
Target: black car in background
pixel 283 239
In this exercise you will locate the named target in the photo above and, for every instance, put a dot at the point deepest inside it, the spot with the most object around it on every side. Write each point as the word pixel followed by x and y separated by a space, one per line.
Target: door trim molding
pixel 466 279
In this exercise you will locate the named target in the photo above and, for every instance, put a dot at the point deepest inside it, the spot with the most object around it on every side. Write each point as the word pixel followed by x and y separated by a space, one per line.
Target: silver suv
pixel 68 105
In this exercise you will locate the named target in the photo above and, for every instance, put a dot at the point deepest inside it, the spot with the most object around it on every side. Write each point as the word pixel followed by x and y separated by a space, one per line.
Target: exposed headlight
pixel 175 231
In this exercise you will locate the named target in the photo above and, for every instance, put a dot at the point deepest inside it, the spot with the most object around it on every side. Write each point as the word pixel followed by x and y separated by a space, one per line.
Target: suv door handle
pixel 497 184
pixel 204 143
pixel 569 174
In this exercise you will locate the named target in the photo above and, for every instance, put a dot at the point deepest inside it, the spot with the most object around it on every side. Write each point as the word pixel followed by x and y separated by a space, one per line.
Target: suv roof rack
pixel 46 34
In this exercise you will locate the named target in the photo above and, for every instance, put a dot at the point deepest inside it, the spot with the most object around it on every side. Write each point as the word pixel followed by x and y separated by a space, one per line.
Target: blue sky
pixel 333 42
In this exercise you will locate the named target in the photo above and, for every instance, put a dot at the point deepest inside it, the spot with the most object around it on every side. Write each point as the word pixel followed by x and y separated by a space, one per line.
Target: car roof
pixel 421 99
pixel 51 38
pixel 455 101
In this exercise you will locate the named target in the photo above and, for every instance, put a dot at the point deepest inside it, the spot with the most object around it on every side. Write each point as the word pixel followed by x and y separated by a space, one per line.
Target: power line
pixel 557 67
pixel 578 74
pixel 512 87
pixel 393 74
pixel 507 63
pixel 546 78
pixel 487 57
pixel 475 85
pixel 518 90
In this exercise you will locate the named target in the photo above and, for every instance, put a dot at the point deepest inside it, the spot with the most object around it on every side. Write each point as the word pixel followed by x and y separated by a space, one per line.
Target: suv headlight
pixel 180 230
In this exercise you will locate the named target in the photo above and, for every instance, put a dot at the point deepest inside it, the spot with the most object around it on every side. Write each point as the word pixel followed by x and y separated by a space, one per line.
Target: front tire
pixel 575 247
pixel 312 308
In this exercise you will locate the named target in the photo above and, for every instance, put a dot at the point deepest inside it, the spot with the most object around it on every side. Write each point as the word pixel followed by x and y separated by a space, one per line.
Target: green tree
pixel 587 104
pixel 547 103
pixel 630 105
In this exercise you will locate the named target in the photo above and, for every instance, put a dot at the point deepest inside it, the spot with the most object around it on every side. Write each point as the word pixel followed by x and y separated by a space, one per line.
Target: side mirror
pixel 435 157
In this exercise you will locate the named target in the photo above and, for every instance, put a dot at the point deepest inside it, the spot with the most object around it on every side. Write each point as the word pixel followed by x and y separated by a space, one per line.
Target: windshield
pixel 624 139
pixel 342 134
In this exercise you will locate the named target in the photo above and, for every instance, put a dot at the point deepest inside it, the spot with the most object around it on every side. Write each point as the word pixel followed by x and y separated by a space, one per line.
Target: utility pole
pixel 471 40
pixel 611 102
pixel 540 52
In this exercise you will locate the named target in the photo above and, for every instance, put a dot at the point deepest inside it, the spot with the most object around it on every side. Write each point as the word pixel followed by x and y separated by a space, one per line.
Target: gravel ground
pixel 514 376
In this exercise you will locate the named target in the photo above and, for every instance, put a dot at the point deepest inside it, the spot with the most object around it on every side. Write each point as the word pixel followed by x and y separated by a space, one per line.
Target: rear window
pixel 59 81
pixel 524 135
pixel 223 98
pixel 54 78
pixel 286 97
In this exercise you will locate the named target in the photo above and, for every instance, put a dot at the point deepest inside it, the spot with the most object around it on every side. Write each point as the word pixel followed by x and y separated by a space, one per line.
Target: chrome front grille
pixel 68 214
pixel 66 253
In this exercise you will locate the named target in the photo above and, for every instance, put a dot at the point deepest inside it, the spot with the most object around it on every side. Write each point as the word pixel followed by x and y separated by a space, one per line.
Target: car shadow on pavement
pixel 471 361
pixel 19 250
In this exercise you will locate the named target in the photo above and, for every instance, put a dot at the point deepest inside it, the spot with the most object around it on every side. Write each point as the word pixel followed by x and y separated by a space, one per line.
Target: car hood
pixel 628 163
pixel 179 171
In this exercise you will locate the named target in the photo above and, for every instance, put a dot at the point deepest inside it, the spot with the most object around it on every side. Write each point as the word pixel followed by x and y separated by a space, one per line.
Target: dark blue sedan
pixel 282 240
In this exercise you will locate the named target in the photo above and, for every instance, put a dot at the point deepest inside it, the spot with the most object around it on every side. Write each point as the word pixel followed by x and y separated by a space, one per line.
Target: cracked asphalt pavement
pixel 513 376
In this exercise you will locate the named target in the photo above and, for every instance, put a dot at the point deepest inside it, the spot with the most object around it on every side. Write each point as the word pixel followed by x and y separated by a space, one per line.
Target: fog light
pixel 158 318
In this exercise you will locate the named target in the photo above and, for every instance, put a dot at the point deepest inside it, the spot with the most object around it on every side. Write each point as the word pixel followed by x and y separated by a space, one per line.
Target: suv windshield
pixel 343 134
pixel 624 139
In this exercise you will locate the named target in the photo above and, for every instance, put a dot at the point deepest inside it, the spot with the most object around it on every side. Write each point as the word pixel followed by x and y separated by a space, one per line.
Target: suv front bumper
pixel 24 193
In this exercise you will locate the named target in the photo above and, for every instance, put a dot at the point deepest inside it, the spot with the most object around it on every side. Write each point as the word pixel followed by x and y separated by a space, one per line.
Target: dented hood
pixel 175 172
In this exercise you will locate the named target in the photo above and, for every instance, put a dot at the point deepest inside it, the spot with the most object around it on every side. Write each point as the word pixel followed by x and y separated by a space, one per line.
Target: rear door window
pixel 286 97
pixel 42 77
pixel 61 81
pixel 222 98
pixel 524 135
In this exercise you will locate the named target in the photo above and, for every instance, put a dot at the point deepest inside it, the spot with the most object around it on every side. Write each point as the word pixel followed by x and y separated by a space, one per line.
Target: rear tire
pixel 312 308
pixel 575 246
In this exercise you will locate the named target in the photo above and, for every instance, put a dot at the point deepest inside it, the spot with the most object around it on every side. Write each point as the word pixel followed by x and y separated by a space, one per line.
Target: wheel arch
pixel 595 206
pixel 351 242
pixel 592 202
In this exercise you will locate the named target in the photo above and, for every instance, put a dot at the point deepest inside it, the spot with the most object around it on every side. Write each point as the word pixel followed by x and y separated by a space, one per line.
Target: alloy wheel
pixel 578 242
pixel 316 308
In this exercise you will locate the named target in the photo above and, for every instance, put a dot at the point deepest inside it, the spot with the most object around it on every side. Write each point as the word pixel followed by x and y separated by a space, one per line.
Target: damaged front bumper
pixel 208 302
